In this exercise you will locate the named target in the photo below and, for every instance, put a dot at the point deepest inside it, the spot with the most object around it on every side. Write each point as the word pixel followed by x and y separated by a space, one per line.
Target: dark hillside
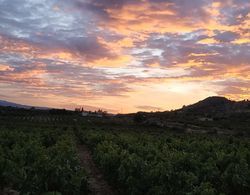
pixel 217 105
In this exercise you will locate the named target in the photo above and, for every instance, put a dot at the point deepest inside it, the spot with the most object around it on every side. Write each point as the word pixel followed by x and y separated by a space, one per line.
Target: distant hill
pixel 15 105
pixel 217 104
pixel 211 115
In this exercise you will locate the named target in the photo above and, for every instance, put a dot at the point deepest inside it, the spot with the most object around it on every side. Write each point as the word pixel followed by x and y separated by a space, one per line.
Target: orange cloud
pixel 60 55
pixel 143 20
pixel 133 53
pixel 5 68
pixel 208 41
pixel 119 61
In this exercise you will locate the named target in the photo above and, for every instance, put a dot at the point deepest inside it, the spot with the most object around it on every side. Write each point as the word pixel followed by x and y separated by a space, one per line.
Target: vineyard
pixel 172 164
pixel 39 160
pixel 39 154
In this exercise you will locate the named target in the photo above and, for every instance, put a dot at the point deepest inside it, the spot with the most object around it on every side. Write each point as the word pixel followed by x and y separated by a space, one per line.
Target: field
pixel 171 164
pixel 39 155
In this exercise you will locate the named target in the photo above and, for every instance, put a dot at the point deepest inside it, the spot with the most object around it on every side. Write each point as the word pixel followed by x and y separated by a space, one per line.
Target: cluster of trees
pixel 12 111
pixel 172 164
pixel 39 160
pixel 99 111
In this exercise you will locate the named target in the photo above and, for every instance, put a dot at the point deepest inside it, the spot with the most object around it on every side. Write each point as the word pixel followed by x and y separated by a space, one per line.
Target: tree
pixel 139 117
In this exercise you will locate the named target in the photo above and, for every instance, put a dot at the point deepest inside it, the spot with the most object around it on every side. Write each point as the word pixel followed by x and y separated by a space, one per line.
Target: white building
pixel 85 113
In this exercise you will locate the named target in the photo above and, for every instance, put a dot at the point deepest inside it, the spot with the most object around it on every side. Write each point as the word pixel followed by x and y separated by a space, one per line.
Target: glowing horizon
pixel 123 55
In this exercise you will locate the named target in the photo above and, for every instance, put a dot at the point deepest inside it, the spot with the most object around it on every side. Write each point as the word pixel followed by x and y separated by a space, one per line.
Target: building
pixel 84 113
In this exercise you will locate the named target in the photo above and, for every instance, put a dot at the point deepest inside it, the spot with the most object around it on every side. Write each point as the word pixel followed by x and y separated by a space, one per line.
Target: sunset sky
pixel 123 55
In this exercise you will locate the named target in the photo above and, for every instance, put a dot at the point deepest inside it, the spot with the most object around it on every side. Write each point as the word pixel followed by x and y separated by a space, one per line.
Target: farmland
pixel 39 154
pixel 40 160
pixel 171 164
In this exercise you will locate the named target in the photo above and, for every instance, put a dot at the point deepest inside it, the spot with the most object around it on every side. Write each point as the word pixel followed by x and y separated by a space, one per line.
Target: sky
pixel 123 55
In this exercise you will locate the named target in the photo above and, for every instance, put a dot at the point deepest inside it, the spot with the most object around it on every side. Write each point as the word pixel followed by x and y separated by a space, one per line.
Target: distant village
pixel 98 113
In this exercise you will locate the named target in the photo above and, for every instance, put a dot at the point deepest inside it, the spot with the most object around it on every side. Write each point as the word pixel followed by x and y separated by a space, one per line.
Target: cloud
pixel 100 51
pixel 149 108
pixel 234 88
pixel 234 12
pixel 226 36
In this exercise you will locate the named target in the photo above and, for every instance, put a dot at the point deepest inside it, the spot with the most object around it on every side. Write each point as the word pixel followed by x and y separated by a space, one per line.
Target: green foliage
pixel 139 117
pixel 39 161
pixel 172 164
pixel 38 156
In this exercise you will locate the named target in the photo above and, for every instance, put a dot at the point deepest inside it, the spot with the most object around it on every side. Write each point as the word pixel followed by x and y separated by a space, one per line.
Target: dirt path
pixel 96 181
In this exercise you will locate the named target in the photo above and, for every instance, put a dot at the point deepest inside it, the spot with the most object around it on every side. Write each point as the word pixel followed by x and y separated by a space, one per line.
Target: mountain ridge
pixel 217 104
pixel 210 105
pixel 5 103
